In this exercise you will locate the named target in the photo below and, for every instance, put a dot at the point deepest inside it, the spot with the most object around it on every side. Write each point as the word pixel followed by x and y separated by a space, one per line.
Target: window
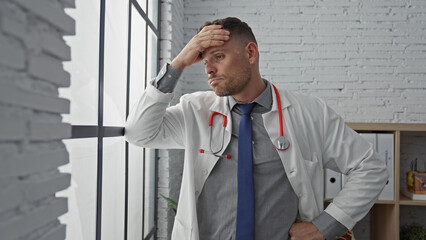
pixel 113 187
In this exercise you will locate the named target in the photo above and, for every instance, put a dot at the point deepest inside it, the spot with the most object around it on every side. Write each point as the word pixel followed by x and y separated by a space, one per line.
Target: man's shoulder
pixel 201 99
pixel 298 98
pixel 199 95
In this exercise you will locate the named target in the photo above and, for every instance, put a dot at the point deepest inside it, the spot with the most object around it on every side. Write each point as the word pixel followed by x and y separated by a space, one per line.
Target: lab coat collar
pixel 285 102
pixel 221 104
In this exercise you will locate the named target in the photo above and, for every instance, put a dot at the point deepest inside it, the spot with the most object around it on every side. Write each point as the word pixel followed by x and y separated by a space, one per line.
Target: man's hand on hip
pixel 209 36
pixel 305 231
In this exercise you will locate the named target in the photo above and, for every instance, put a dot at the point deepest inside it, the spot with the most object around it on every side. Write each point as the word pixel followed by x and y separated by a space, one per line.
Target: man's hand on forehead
pixel 213 35
pixel 209 36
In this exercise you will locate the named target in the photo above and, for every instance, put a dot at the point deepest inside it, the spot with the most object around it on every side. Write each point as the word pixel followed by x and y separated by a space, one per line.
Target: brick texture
pixel 169 162
pixel 326 48
pixel 366 59
pixel 31 129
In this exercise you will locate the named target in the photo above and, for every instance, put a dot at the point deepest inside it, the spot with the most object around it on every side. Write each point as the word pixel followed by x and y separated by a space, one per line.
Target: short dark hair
pixel 235 26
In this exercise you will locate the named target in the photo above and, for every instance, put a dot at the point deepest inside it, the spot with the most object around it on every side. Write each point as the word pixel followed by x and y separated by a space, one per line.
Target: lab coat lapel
pixel 272 125
pixel 292 159
pixel 206 162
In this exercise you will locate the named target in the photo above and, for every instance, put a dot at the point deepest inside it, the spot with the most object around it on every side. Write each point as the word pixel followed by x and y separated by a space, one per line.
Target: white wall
pixel 365 58
pixel 31 128
pixel 170 163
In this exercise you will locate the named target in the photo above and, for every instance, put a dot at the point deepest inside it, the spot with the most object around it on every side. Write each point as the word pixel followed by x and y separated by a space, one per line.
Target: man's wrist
pixel 177 64
pixel 167 79
pixel 329 227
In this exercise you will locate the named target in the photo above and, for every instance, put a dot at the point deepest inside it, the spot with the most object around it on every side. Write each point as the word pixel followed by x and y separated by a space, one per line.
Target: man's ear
pixel 252 52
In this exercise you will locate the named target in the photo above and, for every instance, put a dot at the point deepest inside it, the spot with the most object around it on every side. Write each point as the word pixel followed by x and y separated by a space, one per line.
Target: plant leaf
pixel 172 203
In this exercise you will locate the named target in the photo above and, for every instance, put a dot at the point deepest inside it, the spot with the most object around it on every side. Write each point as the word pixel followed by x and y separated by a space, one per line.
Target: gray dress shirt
pixel 276 204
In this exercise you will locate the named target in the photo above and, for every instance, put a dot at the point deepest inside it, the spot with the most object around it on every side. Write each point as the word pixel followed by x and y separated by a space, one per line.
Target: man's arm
pixel 347 152
pixel 151 123
pixel 344 151
pixel 305 231
pixel 322 227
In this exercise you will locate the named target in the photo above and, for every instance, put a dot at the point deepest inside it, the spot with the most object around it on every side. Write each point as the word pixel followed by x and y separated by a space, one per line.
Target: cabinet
pixel 385 215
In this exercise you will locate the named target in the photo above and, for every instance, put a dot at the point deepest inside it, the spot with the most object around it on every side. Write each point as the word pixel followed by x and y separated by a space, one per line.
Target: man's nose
pixel 210 69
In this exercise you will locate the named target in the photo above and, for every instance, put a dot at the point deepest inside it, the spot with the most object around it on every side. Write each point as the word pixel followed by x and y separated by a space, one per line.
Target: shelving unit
pixel 385 215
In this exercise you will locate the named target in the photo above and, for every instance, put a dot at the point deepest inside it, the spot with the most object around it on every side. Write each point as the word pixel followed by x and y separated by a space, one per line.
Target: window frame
pixel 100 131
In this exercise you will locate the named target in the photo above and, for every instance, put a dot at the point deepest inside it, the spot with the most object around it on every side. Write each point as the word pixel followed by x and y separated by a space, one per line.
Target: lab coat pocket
pixel 311 167
pixel 180 231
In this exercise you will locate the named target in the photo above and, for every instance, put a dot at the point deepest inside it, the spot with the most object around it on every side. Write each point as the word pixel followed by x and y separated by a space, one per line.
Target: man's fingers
pixel 214 34
pixel 212 43
pixel 210 27
pixel 305 231
pixel 222 35
pixel 211 38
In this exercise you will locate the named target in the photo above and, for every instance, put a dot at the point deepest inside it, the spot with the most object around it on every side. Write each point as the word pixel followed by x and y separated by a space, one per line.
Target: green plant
pixel 172 203
pixel 412 232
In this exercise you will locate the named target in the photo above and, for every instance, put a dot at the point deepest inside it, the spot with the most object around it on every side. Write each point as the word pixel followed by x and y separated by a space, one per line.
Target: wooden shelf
pixel 385 215
pixel 404 200
pixel 385 202
pixel 403 127
pixel 329 200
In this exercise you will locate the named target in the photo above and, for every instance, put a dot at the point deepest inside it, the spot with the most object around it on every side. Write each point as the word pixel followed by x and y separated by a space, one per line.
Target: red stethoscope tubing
pixel 280 143
pixel 225 119
pixel 280 113
pixel 212 116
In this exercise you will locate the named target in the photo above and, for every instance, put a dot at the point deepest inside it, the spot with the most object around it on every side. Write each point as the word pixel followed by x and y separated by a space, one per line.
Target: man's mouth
pixel 214 81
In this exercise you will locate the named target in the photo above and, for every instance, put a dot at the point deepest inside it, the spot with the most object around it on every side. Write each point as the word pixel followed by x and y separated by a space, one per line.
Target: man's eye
pixel 219 57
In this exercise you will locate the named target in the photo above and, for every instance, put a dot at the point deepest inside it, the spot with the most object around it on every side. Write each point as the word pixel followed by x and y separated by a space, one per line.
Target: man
pixel 283 189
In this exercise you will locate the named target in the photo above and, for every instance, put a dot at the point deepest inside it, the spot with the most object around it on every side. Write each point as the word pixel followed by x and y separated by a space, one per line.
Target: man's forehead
pixel 226 47
pixel 212 50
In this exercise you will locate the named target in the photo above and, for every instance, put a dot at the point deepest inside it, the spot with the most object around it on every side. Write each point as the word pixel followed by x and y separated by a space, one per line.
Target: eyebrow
pixel 213 52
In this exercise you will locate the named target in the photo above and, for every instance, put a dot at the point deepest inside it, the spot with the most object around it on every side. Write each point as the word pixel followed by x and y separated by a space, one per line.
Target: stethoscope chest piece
pixel 281 143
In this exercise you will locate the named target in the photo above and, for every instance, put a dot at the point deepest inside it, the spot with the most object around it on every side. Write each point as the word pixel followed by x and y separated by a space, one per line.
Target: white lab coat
pixel 318 138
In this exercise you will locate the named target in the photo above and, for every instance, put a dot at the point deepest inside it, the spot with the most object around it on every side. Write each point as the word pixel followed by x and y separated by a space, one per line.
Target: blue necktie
pixel 245 205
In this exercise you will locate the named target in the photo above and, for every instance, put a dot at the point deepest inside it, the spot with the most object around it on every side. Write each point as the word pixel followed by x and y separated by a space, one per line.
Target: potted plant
pixel 412 232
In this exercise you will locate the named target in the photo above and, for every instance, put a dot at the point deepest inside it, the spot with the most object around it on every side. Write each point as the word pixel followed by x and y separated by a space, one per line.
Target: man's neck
pixel 251 91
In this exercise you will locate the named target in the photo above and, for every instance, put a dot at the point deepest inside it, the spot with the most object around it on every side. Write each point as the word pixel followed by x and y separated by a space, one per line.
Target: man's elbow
pixel 131 134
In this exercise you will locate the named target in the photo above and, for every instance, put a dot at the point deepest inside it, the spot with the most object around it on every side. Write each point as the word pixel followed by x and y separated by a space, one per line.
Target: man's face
pixel 227 67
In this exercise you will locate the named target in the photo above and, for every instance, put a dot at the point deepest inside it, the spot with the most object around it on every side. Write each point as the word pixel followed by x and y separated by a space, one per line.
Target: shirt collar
pixel 263 101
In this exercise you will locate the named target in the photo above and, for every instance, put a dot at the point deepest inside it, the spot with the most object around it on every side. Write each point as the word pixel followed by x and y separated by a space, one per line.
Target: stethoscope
pixel 281 143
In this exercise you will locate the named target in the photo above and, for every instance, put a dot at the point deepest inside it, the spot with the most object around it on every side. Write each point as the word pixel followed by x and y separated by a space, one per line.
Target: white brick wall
pixel 169 162
pixel 350 53
pixel 31 129
pixel 365 58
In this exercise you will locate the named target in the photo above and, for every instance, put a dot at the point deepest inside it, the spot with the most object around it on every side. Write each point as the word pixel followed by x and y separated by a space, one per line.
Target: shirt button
pixel 197 192
pixel 204 171
pixel 169 76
